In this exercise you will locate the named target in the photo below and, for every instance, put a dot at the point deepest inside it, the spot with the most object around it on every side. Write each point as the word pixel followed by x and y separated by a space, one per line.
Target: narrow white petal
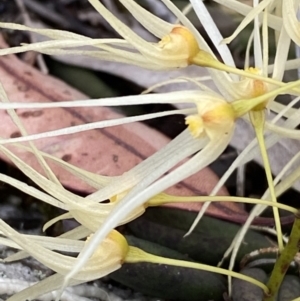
pixel 51 243
pixel 265 44
pixel 51 33
pixel 244 9
pixel 95 125
pixel 32 191
pixel 79 232
pixel 124 30
pixel 182 145
pixel 155 25
pixel 286 110
pixel 212 31
pixel 17 121
pixel 55 190
pixel 281 57
pixel 283 132
pixel 257 43
pixel 250 17
pixel 112 55
pixel 290 21
pixel 172 97
pixel 53 44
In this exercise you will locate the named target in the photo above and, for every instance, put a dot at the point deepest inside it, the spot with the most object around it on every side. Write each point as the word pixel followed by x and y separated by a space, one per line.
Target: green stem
pixel 205 59
pixel 242 106
pixel 258 120
pixel 136 255
pixel 284 260
pixel 163 199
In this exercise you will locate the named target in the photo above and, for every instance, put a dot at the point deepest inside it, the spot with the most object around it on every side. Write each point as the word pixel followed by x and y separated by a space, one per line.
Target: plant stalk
pixel 283 262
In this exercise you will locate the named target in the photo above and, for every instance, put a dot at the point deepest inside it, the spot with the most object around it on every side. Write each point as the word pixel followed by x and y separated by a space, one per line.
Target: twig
pixel 27 21
pixel 48 13
pixel 62 20
pixel 240 180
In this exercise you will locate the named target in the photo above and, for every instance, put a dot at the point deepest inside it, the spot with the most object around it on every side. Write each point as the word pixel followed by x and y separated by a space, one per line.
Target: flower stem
pixel 136 255
pixel 284 260
pixel 258 121
pixel 205 59
pixel 163 198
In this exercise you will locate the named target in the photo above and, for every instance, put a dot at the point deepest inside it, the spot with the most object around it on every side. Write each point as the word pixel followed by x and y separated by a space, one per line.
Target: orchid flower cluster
pixel 211 118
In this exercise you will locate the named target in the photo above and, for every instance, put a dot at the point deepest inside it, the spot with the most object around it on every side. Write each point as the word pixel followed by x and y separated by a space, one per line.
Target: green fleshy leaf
pixel 206 244
pixel 169 282
pixel 245 291
pixel 290 288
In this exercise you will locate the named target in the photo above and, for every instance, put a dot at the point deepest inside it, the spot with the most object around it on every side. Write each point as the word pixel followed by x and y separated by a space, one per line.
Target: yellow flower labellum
pixel 195 125
pixel 220 114
pixel 180 41
pixel 214 117
pixel 251 88
pixel 258 86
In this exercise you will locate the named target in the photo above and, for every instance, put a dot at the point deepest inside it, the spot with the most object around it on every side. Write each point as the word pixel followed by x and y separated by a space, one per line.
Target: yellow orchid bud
pixel 116 243
pixel 180 42
pixel 214 117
